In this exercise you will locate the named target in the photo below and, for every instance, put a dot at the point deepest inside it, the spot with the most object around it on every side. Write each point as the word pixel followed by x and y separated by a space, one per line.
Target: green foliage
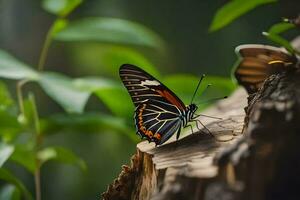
pixel 5 152
pixel 87 123
pixel 234 9
pixel 281 28
pixel 25 151
pixel 60 7
pixel 280 41
pixel 110 30
pixel 62 155
pixel 62 89
pixel 9 177
pixel 10 192
pixel 11 68
pixel 6 101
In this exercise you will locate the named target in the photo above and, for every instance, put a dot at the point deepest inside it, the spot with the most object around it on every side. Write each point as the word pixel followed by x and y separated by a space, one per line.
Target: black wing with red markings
pixel 142 86
pixel 158 110
pixel 258 62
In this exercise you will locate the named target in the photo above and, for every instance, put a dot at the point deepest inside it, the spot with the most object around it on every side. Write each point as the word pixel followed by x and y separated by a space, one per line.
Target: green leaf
pixel 107 59
pixel 5 99
pixel 5 152
pixel 60 7
pixel 9 126
pixel 24 156
pixel 63 90
pixel 86 123
pixel 92 84
pixel 234 9
pixel 113 57
pixel 9 177
pixel 117 100
pixel 281 27
pixel 10 192
pixel 110 30
pixel 280 41
pixel 184 86
pixel 61 154
pixel 58 25
pixel 113 95
pixel 11 68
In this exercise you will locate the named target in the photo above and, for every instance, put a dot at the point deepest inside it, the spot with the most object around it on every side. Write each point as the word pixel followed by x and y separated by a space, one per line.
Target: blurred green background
pixel 170 39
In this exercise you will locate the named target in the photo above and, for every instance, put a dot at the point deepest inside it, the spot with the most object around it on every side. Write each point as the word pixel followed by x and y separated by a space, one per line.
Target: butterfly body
pixel 258 62
pixel 159 113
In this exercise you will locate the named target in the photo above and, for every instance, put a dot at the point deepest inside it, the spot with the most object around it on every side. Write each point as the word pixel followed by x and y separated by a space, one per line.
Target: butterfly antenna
pixel 203 75
pixel 211 100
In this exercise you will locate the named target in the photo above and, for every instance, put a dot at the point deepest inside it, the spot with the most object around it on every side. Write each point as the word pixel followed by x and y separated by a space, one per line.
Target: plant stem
pixel 37 181
pixel 38 141
pixel 45 49
pixel 19 94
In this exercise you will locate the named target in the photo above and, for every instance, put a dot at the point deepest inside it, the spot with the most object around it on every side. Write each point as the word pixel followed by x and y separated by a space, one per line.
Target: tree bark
pixel 256 154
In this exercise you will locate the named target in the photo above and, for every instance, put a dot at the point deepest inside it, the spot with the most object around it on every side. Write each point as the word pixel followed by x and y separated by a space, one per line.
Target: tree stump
pixel 256 156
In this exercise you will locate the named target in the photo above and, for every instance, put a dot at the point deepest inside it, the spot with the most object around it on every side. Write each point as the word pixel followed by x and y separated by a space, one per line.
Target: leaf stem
pixel 45 49
pixel 20 95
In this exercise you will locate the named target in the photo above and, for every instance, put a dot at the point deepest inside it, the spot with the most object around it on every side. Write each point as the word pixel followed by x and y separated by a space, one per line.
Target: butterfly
pixel 258 62
pixel 159 113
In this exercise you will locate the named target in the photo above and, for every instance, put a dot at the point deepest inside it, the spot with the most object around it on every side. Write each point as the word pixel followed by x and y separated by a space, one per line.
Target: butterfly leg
pixel 203 127
pixel 190 127
pixel 178 133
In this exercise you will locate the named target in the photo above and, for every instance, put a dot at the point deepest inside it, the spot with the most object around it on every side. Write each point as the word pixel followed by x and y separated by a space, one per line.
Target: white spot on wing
pixel 149 82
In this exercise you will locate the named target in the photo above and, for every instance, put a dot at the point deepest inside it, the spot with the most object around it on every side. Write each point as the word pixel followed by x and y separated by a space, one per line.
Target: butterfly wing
pixel 142 87
pixel 258 62
pixel 158 110
pixel 157 120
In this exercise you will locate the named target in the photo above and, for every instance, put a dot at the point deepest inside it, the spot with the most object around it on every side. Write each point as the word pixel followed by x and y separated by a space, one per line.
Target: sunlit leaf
pixel 11 68
pixel 62 155
pixel 110 30
pixel 281 27
pixel 60 7
pixel 62 89
pixel 184 86
pixel 9 177
pixel 5 152
pixel 234 9
pixel 107 58
pixel 113 57
pixel 92 84
pixel 117 100
pixel 280 41
pixel 24 156
pixel 10 192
